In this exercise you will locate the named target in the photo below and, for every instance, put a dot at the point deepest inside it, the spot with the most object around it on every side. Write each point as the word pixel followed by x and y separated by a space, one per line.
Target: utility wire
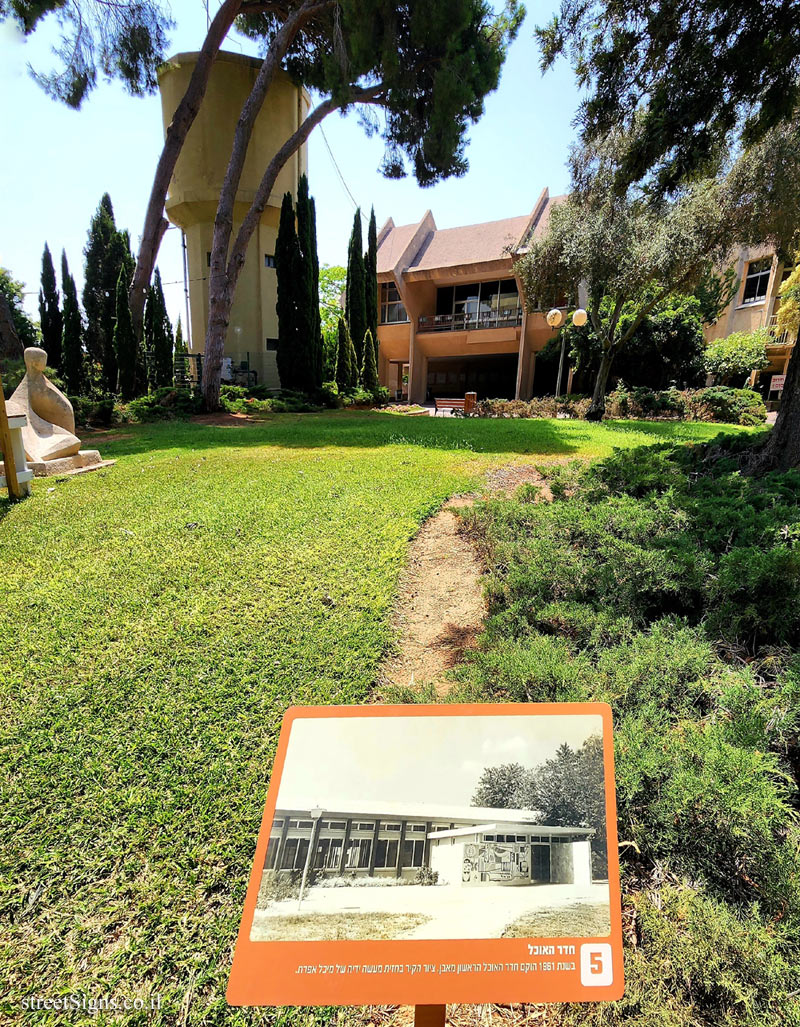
pixel 341 176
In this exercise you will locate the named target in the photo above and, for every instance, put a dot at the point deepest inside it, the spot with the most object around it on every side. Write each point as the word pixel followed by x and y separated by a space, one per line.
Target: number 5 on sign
pixel 597 965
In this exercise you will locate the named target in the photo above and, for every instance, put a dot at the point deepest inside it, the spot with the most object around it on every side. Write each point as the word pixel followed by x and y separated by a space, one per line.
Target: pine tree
pixel 71 332
pixel 157 336
pixel 371 280
pixel 369 370
pixel 344 370
pixel 288 270
pixel 50 317
pixel 104 253
pixel 124 339
pixel 356 300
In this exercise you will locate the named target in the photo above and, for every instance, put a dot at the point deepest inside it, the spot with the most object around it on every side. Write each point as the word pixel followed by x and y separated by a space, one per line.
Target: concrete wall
pixel 571 862
pixel 195 187
pixel 447 857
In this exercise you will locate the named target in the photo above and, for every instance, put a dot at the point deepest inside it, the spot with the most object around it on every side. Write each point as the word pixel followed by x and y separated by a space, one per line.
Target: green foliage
pixel 165 404
pixel 97 413
pixel 332 284
pixel 157 337
pixel 13 291
pixel 371 280
pixel 124 41
pixel 180 343
pixel 356 301
pixel 124 340
pixel 735 406
pixel 72 332
pixel 629 588
pixel 714 292
pixel 789 310
pixel 50 318
pixel 737 355
pixel 666 348
pixel 346 361
pixel 369 372
pixel 437 62
pixel 107 250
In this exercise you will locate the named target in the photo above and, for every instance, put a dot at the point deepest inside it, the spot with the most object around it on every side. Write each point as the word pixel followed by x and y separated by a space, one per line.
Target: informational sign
pixel 776 382
pixel 426 855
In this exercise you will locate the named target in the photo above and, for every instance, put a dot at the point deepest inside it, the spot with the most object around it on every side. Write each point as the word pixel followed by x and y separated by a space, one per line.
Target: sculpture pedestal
pixel 79 463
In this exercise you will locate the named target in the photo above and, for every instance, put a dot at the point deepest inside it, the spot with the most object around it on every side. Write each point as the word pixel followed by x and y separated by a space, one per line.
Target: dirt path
pixel 441 609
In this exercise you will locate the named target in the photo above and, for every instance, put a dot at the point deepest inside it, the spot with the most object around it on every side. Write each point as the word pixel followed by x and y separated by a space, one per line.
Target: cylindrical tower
pixel 195 188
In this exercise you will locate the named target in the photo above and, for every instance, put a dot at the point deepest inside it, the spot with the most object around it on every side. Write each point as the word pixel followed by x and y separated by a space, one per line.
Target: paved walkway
pixel 455 911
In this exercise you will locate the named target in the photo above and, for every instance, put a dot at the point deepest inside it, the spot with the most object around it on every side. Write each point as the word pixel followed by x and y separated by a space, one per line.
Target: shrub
pixel 733 406
pixel 426 876
pixel 94 412
pixel 162 405
pixel 736 355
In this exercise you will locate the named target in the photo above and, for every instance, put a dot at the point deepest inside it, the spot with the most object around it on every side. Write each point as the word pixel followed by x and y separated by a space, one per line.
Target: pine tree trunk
pixel 781 451
pixel 598 405
pixel 154 223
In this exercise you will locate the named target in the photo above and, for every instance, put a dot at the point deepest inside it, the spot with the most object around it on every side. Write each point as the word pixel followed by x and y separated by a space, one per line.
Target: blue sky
pixel 58 162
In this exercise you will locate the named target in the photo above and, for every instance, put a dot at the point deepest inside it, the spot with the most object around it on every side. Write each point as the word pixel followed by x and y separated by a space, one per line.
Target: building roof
pixel 420 811
pixel 411 248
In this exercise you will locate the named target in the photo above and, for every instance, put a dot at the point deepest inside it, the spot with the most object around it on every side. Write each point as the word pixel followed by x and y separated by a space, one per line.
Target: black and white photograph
pixel 438 827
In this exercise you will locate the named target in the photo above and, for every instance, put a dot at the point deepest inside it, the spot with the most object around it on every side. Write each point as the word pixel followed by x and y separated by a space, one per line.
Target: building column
pixel 345 840
pixel 281 843
pixel 399 865
pixel 417 372
pixel 374 850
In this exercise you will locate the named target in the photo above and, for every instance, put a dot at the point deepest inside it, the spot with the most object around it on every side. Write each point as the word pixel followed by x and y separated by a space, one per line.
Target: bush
pixel 733 406
pixel 736 355
pixel 98 413
pixel 426 876
pixel 162 405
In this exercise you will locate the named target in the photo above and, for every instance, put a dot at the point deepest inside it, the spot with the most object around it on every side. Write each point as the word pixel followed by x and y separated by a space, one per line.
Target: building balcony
pixel 470 322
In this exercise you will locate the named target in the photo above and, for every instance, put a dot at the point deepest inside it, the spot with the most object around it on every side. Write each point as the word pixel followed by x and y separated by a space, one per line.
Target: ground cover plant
pixel 666 583
pixel 157 619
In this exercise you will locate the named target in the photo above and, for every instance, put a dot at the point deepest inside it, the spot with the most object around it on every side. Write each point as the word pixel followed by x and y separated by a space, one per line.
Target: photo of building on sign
pixel 438 827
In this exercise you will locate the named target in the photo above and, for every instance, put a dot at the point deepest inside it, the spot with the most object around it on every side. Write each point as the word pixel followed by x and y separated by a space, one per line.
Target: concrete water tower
pixel 194 194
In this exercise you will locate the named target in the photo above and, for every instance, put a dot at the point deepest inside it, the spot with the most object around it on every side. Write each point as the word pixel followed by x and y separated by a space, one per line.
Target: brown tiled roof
pixel 393 246
pixel 471 244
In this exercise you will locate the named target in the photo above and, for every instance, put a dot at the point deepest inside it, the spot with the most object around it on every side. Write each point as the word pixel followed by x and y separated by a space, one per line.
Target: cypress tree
pixel 71 332
pixel 50 317
pixel 353 360
pixel 180 345
pixel 104 254
pixel 309 356
pixel 356 299
pixel 369 370
pixel 124 339
pixel 288 271
pixel 371 280
pixel 344 370
pixel 157 336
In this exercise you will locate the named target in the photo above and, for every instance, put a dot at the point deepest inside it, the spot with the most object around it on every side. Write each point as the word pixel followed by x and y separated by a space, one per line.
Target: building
pixel 469 845
pixel 761 272
pixel 194 194
pixel 451 314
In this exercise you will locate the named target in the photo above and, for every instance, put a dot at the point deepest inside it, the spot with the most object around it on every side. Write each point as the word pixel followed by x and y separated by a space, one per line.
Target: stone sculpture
pixel 49 438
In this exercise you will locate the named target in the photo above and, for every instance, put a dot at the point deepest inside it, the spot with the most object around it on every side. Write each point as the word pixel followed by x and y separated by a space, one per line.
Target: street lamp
pixel 315 815
pixel 554 319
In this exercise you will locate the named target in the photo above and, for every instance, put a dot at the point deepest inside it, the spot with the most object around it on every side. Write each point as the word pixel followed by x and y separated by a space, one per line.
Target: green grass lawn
pixel 156 620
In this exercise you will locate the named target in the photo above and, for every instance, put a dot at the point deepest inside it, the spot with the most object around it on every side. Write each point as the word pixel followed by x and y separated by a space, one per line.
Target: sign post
pixel 413 871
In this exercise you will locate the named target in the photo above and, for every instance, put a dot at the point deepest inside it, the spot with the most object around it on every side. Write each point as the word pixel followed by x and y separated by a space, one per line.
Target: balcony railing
pixel 470 322
pixel 779 338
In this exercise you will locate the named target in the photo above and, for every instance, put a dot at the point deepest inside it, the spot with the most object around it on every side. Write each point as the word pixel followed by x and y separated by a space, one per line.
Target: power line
pixel 341 176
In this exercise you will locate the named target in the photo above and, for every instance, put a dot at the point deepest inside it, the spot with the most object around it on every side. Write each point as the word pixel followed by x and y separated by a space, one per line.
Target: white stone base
pixel 85 460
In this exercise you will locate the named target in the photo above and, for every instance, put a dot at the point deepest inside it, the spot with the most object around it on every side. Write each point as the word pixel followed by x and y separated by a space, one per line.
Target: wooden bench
pixel 466 404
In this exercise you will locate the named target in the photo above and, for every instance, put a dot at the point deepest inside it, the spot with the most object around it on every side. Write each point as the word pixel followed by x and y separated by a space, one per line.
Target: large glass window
pixel 386 852
pixel 392 309
pixel 484 303
pixel 359 851
pixel 466 299
pixel 413 852
pixel 757 280
pixel 328 854
pixel 294 852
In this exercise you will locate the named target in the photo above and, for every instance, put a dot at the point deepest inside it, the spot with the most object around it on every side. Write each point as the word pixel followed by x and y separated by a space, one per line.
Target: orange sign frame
pixel 422 972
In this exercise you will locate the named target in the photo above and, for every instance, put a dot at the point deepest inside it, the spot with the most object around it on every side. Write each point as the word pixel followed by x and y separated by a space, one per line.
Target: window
pixel 272 345
pixel 757 280
pixel 392 309
pixel 481 301
pixel 413 851
pixel 363 827
pixel 389 827
pixel 272 852
pixel 359 851
pixel 328 854
pixel 415 828
pixel 386 853
pixel 269 260
pixel 294 854
pixel 303 825
pixel 334 825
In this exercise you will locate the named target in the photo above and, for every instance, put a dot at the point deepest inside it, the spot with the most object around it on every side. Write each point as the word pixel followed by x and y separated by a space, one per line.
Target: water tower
pixel 195 188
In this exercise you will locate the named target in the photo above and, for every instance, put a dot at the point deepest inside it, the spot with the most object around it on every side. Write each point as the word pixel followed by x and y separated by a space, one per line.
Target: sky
pixel 57 162
pixel 415 759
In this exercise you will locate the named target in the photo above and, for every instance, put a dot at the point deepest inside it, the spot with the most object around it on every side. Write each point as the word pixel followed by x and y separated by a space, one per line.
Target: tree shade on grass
pixel 156 623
